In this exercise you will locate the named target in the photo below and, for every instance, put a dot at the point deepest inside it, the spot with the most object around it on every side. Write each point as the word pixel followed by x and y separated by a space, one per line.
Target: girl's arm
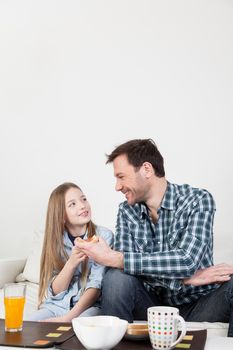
pixel 88 298
pixel 62 281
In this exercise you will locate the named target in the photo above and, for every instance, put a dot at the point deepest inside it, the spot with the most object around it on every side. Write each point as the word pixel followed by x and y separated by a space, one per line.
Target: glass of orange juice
pixel 14 300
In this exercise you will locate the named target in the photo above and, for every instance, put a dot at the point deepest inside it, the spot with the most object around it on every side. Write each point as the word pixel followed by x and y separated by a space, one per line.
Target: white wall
pixel 78 78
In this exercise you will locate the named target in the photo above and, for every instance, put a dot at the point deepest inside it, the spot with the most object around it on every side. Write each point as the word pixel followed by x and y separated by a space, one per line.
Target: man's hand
pixel 101 253
pixel 214 274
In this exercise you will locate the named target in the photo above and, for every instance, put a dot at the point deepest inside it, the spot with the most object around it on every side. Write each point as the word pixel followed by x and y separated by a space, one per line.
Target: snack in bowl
pixel 137 330
pixel 99 332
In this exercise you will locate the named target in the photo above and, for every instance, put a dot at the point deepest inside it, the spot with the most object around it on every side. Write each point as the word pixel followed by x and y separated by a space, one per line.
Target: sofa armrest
pixel 9 269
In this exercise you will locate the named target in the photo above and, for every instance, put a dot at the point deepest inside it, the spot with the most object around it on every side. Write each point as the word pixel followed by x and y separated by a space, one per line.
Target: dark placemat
pixel 36 334
pixel 196 341
pixel 74 344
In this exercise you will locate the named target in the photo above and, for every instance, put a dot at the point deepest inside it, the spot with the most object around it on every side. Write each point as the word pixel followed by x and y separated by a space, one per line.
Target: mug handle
pixel 183 330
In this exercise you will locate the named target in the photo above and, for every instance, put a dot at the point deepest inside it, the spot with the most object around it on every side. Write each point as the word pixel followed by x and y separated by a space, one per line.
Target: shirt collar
pixel 69 239
pixel 144 210
pixel 169 198
pixel 168 201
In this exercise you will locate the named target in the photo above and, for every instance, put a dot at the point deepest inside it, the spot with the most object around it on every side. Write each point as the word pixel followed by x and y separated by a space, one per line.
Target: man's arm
pixel 106 256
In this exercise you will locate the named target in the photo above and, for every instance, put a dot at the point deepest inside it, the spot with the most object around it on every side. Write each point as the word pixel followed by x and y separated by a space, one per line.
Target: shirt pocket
pixel 175 235
pixel 140 244
pixel 141 238
pixel 178 229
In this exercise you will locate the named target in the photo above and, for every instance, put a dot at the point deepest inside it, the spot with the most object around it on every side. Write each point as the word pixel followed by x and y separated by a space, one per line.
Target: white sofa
pixel 27 270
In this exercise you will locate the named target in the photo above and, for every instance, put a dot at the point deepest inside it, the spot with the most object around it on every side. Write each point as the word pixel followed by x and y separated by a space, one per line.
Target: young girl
pixel 70 283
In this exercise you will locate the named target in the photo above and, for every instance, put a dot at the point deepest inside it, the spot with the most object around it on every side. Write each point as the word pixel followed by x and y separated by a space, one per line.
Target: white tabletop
pixel 219 343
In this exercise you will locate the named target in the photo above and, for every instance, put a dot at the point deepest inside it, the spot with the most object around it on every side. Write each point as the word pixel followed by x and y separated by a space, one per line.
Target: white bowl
pixel 99 332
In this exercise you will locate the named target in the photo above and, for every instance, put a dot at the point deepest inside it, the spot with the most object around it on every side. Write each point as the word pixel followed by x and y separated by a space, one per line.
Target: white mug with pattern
pixel 163 327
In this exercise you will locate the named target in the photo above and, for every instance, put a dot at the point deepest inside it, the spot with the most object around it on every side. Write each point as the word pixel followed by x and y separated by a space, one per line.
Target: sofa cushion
pixel 9 269
pixel 31 270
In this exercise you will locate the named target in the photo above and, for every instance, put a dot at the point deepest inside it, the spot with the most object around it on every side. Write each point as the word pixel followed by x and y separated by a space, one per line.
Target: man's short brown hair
pixel 139 151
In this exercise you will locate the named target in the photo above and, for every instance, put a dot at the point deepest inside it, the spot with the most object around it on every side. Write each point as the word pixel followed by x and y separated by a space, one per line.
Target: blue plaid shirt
pixel 164 253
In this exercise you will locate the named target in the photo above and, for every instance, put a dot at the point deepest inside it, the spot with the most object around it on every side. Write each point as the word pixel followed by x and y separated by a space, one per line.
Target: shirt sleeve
pixel 186 249
pixel 51 295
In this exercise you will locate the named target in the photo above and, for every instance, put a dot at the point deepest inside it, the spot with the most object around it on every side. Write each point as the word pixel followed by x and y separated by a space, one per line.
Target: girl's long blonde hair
pixel 54 256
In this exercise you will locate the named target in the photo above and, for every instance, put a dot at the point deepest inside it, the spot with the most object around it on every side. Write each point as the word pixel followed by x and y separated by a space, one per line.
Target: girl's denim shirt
pixel 68 298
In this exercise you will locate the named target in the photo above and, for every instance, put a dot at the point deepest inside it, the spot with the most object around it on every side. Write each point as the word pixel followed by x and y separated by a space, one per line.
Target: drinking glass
pixel 14 300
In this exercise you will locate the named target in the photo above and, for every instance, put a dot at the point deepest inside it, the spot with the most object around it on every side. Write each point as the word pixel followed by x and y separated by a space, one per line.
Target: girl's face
pixel 78 210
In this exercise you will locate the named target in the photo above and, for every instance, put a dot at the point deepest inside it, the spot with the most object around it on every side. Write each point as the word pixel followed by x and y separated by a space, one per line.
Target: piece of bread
pixel 92 239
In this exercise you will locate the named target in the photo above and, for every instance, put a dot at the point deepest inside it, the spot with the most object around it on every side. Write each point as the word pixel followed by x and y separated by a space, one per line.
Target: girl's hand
pixel 60 319
pixel 76 257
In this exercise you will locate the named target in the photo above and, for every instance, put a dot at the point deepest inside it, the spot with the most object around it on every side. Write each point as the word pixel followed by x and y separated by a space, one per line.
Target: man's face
pixel 130 182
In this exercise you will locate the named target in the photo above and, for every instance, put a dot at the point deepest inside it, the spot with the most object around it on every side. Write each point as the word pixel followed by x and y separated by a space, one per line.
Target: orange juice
pixel 14 312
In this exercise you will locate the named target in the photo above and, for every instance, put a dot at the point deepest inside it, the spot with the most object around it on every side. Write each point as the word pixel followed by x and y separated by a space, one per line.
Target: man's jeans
pixel 125 296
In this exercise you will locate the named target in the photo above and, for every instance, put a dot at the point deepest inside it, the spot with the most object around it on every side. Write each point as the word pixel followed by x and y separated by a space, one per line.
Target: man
pixel 163 249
